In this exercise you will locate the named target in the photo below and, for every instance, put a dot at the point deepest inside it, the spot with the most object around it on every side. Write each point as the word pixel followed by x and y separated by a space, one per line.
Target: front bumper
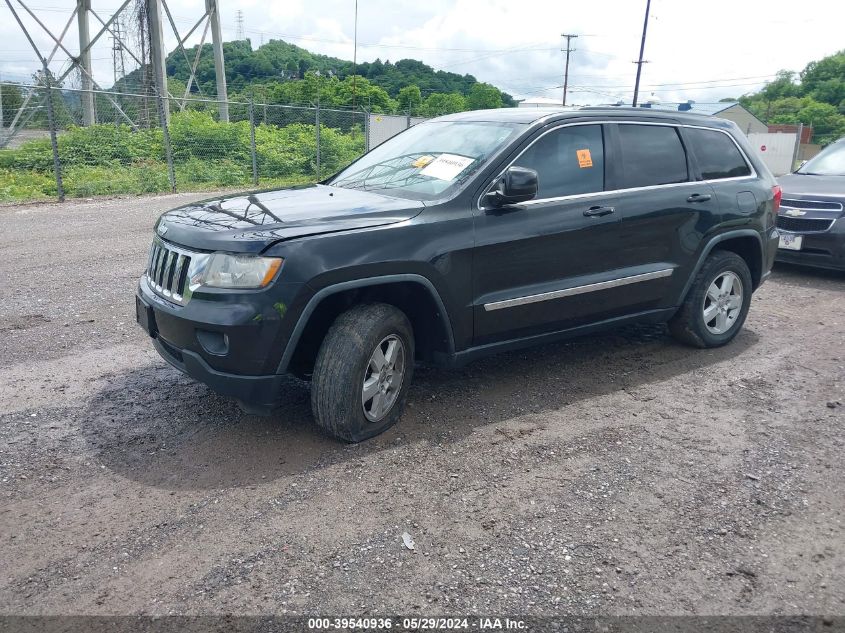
pixel 232 343
pixel 259 391
pixel 820 250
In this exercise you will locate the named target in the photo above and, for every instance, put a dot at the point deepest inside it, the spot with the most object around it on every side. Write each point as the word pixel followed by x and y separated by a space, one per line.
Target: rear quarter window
pixel 717 155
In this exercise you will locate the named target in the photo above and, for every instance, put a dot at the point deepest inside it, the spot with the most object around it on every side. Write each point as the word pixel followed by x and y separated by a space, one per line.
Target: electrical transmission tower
pixel 239 25
pixel 150 15
pixel 118 62
pixel 118 59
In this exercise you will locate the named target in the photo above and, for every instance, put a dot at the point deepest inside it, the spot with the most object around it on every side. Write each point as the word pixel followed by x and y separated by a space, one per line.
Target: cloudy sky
pixel 696 50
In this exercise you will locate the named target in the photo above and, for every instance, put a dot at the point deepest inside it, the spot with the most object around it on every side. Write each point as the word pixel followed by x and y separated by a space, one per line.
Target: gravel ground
pixel 615 474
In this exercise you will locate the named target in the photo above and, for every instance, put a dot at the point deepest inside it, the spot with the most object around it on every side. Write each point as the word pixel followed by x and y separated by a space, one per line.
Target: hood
pixel 808 185
pixel 812 197
pixel 250 222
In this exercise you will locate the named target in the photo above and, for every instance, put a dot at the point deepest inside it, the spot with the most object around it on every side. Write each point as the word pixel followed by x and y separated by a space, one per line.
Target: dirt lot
pixel 614 474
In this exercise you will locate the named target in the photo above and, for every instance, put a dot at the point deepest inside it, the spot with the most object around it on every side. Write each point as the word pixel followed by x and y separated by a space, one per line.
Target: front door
pixel 549 264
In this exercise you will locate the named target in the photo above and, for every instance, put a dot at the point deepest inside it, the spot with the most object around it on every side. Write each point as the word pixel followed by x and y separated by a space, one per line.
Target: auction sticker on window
pixel 422 161
pixel 446 166
pixel 584 158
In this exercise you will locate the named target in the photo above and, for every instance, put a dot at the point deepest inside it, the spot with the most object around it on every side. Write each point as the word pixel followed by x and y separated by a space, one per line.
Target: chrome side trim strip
pixel 577 290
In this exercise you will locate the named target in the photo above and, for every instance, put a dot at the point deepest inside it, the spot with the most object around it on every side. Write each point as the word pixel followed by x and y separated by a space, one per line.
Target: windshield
pixel 830 162
pixel 424 161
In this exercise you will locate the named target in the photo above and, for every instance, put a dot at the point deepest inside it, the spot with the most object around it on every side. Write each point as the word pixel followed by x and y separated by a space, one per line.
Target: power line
pixel 690 83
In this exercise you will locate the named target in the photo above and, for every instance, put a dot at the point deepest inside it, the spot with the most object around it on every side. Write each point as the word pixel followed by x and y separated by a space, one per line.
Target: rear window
pixel 651 155
pixel 717 155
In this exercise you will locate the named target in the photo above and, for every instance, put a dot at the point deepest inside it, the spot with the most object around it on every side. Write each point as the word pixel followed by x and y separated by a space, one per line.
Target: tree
pixel 61 112
pixel 439 103
pixel 484 96
pixel 828 124
pixel 783 86
pixel 410 98
pixel 303 65
pixel 278 60
pixel 825 79
pixel 12 99
pixel 360 91
pixel 830 91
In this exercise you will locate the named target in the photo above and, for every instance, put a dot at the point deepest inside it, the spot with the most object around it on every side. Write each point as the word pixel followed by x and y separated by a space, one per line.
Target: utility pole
pixel 640 61
pixel 354 54
pixel 1 108
pixel 569 37
pixel 213 11
pixel 158 55
pixel 82 9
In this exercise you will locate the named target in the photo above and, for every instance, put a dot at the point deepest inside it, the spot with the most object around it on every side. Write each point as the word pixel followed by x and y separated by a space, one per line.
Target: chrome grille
pixel 803 225
pixel 810 205
pixel 167 271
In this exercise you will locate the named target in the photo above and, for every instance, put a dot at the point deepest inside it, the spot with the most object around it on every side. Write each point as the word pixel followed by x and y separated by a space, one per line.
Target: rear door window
pixel 717 155
pixel 568 161
pixel 651 155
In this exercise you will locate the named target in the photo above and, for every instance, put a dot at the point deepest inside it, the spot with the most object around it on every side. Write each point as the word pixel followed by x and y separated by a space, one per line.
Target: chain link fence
pixel 143 144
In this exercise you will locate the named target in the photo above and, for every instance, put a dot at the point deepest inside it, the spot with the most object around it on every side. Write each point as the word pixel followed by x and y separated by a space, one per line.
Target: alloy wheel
pixel 722 302
pixel 383 378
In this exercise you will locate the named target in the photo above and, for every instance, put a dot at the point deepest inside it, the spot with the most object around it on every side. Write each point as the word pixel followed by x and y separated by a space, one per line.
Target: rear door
pixel 721 163
pixel 535 265
pixel 666 211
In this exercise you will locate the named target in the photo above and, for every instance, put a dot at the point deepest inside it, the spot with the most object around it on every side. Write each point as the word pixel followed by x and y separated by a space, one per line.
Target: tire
pixel 344 363
pixel 706 293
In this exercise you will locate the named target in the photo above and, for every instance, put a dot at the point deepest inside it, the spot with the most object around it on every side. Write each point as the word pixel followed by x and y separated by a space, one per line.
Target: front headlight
pixel 221 270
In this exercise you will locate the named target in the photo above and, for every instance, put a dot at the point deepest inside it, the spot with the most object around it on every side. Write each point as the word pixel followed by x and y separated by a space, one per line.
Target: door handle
pixel 699 197
pixel 599 211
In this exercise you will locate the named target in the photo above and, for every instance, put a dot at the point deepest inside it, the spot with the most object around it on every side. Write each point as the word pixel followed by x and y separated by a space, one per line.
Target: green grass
pixel 106 160
pixel 146 178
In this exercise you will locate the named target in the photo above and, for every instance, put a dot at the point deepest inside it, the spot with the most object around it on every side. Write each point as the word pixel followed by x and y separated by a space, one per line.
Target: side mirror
pixel 516 185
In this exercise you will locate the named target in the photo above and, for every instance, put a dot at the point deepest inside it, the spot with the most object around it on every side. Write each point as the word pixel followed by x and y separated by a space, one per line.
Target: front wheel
pixel 717 302
pixel 362 372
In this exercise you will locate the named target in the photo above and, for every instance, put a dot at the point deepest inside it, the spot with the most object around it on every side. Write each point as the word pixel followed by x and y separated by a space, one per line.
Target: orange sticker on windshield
pixel 422 161
pixel 584 158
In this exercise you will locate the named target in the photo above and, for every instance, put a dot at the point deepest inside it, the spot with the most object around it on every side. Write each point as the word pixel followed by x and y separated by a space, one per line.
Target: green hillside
pixel 279 72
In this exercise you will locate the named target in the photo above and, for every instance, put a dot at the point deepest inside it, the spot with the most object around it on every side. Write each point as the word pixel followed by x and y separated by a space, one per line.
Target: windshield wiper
pixel 410 179
pixel 255 201
pixel 361 183
pixel 350 182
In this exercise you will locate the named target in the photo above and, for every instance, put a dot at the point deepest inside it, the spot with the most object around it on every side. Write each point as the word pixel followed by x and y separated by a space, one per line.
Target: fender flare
pixel 711 244
pixel 321 294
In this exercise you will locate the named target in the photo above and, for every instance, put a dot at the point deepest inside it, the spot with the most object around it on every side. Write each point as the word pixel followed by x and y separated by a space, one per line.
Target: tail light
pixel 777 195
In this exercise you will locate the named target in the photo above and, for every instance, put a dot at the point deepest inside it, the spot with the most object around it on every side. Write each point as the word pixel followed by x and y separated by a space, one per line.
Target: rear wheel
pixel 717 303
pixel 362 372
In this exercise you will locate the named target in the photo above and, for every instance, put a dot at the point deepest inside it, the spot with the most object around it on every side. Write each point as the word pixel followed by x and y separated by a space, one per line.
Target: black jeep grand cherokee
pixel 463 236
